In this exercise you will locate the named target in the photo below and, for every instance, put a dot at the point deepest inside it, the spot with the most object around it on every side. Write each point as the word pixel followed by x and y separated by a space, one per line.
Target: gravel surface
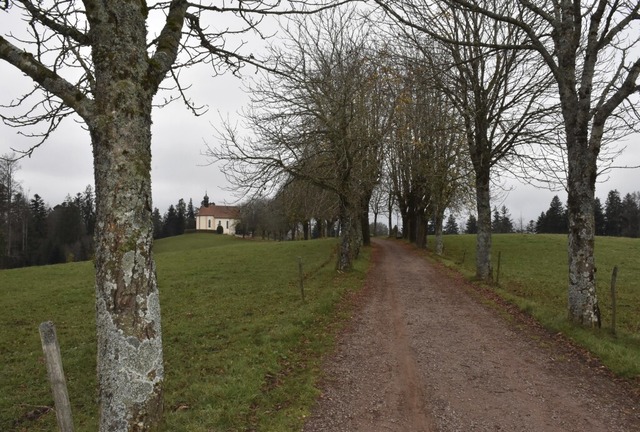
pixel 424 353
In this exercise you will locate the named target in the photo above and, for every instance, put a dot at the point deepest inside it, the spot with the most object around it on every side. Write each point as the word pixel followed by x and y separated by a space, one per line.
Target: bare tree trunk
pixel 305 229
pixel 483 244
pixel 439 218
pixel 366 230
pixel 346 255
pixel 129 365
pixel 364 218
pixel 582 297
pixel 421 226
pixel 375 224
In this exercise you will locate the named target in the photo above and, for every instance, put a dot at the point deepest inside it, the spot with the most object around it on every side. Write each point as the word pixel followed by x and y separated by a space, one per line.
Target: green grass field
pixel 534 275
pixel 241 348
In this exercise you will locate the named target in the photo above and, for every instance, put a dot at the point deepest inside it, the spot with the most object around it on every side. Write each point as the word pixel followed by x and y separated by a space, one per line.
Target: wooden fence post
pixel 614 276
pixel 301 275
pixel 55 372
pixel 498 272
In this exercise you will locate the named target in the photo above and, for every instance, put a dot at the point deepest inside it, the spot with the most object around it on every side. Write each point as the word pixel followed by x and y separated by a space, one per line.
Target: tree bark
pixel 129 365
pixel 483 243
pixel 345 257
pixel 581 178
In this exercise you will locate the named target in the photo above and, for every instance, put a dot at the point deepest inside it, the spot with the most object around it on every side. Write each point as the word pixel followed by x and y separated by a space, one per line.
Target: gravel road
pixel 425 353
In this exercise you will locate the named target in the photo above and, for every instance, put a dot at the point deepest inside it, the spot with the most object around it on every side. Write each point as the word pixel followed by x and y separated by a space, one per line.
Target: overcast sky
pixel 63 165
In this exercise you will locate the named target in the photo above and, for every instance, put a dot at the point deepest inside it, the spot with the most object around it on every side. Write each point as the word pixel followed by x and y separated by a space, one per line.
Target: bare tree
pixel 98 60
pixel 321 119
pixel 10 190
pixel 428 162
pixel 590 49
pixel 499 93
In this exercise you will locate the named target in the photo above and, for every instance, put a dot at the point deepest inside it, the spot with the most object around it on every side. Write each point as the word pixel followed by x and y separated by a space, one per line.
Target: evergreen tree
pixel 630 217
pixel 472 225
pixel 181 217
pixel 495 222
pixel 451 226
pixel 613 214
pixel 37 253
pixel 170 225
pixel 541 223
pixel 156 217
pixel 67 230
pixel 501 223
pixel 88 210
pixel 555 218
pixel 38 216
pixel 191 215
pixel 600 220
pixel 506 224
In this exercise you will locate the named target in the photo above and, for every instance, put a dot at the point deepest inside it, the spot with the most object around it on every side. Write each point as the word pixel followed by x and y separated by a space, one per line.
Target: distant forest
pixel 33 233
pixel 619 217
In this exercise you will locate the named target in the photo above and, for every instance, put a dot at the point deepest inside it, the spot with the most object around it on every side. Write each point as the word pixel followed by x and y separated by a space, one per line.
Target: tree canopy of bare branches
pixel 498 89
pixel 321 119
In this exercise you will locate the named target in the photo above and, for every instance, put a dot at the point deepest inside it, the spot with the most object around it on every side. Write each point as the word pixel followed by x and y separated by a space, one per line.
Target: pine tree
pixel 170 225
pixel 156 217
pixel 472 225
pixel 451 226
pixel 506 224
pixel 613 214
pixel 181 217
pixel 630 217
pixel 191 215
pixel 496 222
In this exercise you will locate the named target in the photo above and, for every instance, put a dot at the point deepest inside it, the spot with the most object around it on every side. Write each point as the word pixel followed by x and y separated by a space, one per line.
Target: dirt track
pixel 424 354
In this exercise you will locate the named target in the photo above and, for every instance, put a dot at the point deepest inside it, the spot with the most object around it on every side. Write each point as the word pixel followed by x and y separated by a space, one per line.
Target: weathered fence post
pixel 498 272
pixel 614 276
pixel 301 275
pixel 56 376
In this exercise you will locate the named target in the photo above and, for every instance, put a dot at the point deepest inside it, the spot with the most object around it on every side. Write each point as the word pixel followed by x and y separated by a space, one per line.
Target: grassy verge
pixel 534 276
pixel 242 350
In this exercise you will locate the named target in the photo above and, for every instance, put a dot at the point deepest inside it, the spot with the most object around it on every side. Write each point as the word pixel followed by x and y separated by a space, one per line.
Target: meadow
pixel 534 276
pixel 242 349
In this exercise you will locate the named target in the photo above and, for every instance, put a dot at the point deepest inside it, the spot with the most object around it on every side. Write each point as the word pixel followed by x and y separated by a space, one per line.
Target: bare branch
pixel 46 18
pixel 50 81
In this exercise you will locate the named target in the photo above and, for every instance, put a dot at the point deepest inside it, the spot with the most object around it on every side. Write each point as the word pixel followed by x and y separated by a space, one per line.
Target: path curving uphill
pixel 423 353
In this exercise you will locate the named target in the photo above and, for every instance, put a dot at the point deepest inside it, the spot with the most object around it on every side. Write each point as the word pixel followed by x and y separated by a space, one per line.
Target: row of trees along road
pixel 104 62
pixel 587 49
pixel 321 120
pixel 347 107
pixel 498 77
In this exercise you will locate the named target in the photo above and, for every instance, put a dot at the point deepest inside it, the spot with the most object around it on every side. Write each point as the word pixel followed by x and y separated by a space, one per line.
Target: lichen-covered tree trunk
pixel 582 298
pixel 483 243
pixel 129 364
